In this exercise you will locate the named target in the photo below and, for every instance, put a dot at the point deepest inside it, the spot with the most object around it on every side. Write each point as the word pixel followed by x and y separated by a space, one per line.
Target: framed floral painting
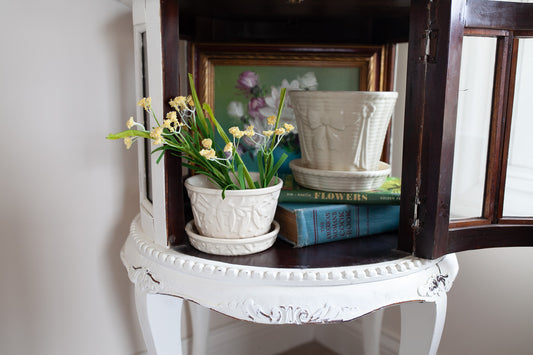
pixel 242 83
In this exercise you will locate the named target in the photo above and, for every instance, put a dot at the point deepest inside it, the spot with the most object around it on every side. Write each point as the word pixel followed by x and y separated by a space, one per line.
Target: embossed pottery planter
pixel 342 130
pixel 242 215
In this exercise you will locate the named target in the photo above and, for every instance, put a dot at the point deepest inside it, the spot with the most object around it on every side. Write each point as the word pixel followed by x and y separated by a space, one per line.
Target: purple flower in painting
pixel 247 81
pixel 254 105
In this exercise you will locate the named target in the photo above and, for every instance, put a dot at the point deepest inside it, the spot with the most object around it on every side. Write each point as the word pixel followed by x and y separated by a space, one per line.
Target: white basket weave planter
pixel 340 181
pixel 342 130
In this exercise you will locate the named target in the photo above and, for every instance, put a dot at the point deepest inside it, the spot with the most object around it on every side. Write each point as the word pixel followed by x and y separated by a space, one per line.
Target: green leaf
pixel 240 176
pixel 280 109
pixel 260 168
pixel 158 149
pixel 204 128
pixel 129 133
pixel 217 125
pixel 160 157
pixel 229 187
pixel 274 169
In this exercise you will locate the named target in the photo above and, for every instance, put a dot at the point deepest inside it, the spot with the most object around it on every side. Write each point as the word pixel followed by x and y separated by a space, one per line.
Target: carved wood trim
pixel 315 276
pixel 174 197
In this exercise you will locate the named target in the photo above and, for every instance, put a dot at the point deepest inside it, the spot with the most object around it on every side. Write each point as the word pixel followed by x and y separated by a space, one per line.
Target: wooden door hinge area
pixel 429 47
pixel 415 223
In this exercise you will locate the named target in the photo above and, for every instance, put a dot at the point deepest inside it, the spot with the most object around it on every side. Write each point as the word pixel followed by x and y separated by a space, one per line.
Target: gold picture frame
pixel 372 62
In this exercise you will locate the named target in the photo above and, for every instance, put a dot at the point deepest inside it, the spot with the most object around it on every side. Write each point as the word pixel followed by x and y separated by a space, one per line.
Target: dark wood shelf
pixel 352 252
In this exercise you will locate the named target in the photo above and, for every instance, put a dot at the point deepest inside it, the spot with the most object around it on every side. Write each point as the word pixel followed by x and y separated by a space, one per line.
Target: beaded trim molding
pixel 215 269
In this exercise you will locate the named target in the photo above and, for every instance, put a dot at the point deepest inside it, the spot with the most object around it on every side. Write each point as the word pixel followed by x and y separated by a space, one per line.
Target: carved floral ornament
pixel 436 285
pixel 144 279
pixel 289 314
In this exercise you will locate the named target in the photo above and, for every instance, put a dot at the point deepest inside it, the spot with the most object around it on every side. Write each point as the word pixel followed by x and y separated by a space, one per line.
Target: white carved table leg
pixel 422 325
pixel 160 319
pixel 200 328
pixel 372 332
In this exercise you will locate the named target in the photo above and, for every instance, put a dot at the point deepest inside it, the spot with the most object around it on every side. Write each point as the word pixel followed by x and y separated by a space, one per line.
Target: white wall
pixel 67 194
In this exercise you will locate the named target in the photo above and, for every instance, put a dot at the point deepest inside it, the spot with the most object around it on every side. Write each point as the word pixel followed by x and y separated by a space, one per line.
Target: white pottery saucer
pixel 219 246
pixel 339 181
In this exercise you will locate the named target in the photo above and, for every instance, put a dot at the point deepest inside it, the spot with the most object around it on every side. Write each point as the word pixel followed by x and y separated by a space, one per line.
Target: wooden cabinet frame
pixel 436 33
pixel 436 29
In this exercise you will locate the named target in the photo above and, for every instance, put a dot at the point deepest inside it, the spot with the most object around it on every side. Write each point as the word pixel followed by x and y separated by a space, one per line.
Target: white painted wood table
pixel 287 295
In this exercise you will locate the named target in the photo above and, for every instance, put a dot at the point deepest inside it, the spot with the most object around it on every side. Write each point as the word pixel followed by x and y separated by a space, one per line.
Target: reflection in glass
pixel 473 125
pixel 146 120
pixel 518 200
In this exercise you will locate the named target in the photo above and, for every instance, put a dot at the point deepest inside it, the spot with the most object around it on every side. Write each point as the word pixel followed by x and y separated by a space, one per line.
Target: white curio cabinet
pixel 466 170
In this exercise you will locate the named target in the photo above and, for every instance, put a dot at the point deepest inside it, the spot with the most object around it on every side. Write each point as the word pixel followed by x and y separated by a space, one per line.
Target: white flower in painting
pixel 236 109
pixel 272 103
pixel 308 81
pixel 293 85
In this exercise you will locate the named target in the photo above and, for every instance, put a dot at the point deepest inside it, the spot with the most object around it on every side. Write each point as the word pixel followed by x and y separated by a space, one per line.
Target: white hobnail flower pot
pixel 241 214
pixel 342 130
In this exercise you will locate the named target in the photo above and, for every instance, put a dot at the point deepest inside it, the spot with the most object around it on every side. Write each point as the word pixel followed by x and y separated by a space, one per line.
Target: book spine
pixel 337 222
pixel 374 198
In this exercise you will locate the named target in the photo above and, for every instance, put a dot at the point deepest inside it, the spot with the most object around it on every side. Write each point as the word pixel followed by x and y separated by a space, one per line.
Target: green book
pixel 387 194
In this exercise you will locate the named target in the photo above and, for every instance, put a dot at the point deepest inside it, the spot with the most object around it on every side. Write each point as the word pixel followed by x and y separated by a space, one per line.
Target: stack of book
pixel 309 217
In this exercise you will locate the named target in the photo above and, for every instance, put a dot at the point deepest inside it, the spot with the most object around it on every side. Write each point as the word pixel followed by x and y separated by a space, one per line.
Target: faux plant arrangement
pixel 187 132
pixel 233 208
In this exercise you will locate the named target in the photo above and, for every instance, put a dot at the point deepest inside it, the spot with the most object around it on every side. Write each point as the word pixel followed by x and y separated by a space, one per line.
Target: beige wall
pixel 68 195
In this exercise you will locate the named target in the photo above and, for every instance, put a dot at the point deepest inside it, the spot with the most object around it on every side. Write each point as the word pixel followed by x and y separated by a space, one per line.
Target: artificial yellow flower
pixel 228 147
pixel 156 132
pixel 190 101
pixel 207 143
pixel 128 142
pixel 168 124
pixel 208 154
pixel 130 122
pixel 249 131
pixel 145 102
pixel 271 120
pixel 178 103
pixel 236 132
pixel 156 135
pixel 279 131
pixel 288 127
pixel 172 115
pixel 268 133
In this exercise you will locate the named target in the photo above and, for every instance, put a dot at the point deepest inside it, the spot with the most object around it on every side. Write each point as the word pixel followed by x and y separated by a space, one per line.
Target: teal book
pixel 304 224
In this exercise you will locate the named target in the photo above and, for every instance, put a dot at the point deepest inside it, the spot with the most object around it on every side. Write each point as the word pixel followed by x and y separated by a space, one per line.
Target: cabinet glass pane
pixel 473 124
pixel 146 121
pixel 518 200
